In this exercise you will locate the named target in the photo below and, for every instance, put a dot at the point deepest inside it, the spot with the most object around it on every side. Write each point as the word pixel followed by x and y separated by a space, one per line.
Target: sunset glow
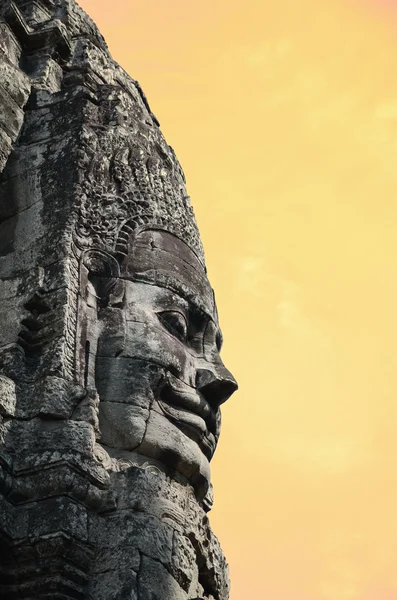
pixel 284 118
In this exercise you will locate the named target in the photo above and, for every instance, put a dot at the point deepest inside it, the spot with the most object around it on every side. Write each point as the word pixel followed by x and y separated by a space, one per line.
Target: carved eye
pixel 175 323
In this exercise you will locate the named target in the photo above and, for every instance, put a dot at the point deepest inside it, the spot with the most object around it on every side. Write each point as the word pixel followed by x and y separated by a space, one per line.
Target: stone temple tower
pixel 110 377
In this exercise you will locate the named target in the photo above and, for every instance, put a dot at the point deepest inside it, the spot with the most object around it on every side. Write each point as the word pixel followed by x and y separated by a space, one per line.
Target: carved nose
pixel 215 387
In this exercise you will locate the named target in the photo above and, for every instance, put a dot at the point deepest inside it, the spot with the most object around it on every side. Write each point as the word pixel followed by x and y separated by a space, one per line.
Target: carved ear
pixel 100 286
pixel 102 270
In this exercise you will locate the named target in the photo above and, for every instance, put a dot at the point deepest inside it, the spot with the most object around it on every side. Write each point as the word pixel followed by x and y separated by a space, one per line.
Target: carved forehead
pixel 140 296
pixel 162 259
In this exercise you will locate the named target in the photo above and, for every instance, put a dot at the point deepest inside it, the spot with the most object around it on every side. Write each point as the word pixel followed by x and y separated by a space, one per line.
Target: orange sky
pixel 284 117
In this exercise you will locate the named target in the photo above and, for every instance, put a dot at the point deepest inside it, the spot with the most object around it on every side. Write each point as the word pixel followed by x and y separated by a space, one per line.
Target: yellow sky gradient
pixel 284 117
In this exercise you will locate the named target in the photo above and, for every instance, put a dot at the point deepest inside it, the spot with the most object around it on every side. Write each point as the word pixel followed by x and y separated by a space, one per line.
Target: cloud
pixel 341 590
pixel 267 53
pixel 332 455
pixel 386 110
pixel 252 275
pixel 255 278
pixel 342 546
pixel 290 313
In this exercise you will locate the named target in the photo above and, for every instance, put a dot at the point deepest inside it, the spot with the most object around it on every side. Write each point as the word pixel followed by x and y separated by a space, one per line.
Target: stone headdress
pixel 132 182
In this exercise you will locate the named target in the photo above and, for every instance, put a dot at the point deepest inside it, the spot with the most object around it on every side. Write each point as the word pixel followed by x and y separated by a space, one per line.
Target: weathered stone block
pixel 7 396
pixel 57 515
pixel 58 398
pixel 151 537
pixel 9 44
pixel 123 559
pixel 184 562
pixel 14 522
pixel 12 115
pixel 116 584
pixel 46 435
pixel 5 148
pixel 122 426
pixel 156 583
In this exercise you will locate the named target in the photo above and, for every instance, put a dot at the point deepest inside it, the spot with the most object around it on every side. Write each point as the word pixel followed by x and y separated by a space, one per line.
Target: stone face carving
pixel 110 376
pixel 157 367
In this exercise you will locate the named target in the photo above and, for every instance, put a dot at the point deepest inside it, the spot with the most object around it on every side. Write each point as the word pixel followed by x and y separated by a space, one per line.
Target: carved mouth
pixel 191 413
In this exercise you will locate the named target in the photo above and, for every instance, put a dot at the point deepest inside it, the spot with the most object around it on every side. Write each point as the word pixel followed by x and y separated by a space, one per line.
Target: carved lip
pixel 191 412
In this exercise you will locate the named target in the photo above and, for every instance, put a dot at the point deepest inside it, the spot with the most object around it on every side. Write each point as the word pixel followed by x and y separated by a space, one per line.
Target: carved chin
pixel 193 426
pixel 171 435
pixel 169 444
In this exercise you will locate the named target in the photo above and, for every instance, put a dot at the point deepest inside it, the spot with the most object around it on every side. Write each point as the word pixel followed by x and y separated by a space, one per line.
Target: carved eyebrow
pixel 177 307
pixel 192 312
